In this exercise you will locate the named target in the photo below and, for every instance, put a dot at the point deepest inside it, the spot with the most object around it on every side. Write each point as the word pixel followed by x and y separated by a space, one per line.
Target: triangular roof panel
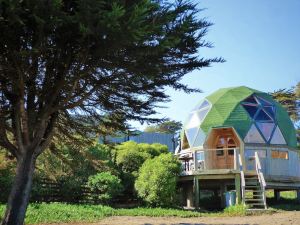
pixel 253 136
pixel 277 138
pixel 266 129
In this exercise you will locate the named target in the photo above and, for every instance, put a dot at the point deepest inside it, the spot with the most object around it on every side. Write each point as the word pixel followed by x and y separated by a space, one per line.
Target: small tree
pixel 168 126
pixel 105 185
pixel 157 180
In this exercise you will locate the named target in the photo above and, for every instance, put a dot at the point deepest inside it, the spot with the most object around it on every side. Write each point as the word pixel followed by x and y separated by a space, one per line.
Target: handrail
pixel 243 183
pixel 261 178
pixel 191 164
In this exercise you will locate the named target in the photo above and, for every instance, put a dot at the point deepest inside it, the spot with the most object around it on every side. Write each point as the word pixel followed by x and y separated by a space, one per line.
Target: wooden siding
pixel 275 168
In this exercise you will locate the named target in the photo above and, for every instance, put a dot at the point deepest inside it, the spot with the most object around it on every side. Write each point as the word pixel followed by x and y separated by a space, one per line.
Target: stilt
pixel 277 195
pixel 190 196
pixel 196 190
pixel 298 196
pixel 238 188
pixel 222 192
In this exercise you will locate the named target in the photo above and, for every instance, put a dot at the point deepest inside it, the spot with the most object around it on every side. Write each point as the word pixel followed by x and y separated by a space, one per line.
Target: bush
pixel 105 185
pixel 156 183
pixel 130 155
pixel 6 180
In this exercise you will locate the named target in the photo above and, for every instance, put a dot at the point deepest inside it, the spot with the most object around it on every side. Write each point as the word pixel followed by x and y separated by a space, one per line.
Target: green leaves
pixel 106 185
pixel 156 183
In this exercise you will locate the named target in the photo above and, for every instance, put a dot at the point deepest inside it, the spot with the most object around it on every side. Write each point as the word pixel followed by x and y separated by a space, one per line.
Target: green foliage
pixel 236 210
pixel 66 213
pixel 105 185
pixel 289 100
pixel 77 162
pixel 156 183
pixel 130 155
pixel 168 126
pixel 6 179
pixel 59 213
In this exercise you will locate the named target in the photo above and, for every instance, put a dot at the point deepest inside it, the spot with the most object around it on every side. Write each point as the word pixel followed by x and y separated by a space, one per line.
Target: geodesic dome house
pixel 234 128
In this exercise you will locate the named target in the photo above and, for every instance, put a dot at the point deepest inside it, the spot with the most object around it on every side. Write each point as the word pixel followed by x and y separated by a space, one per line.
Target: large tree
pixel 92 58
pixel 290 100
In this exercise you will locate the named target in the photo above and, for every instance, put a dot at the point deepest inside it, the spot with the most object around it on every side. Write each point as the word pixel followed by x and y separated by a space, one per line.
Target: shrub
pixel 6 180
pixel 156 183
pixel 105 185
pixel 130 156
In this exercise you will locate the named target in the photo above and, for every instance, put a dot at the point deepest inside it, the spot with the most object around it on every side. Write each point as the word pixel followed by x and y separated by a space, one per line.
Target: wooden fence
pixel 45 190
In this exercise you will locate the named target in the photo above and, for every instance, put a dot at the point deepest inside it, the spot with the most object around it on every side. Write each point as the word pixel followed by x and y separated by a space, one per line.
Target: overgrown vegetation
pixel 157 180
pixel 105 185
pixel 59 213
pixel 66 173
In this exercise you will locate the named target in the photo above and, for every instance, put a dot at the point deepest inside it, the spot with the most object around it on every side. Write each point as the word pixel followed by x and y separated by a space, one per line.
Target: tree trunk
pixel 20 192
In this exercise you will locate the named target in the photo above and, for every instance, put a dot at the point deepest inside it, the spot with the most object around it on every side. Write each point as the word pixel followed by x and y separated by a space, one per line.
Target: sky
pixel 260 41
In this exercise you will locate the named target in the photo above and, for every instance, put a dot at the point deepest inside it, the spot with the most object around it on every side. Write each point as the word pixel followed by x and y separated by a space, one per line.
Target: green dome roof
pixel 255 116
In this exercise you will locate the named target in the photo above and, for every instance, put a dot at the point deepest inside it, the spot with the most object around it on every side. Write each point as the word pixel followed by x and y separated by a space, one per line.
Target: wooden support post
pixel 196 191
pixel 277 195
pixel 298 196
pixel 190 196
pixel 222 191
pixel 238 188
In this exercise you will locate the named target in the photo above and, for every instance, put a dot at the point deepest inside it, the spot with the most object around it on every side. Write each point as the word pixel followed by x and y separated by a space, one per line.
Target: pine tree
pixel 61 59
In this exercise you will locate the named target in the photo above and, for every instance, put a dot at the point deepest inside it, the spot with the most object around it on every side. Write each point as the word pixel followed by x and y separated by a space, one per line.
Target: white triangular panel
pixel 194 121
pixel 191 134
pixel 253 136
pixel 266 129
pixel 203 104
pixel 202 114
pixel 200 138
pixel 277 138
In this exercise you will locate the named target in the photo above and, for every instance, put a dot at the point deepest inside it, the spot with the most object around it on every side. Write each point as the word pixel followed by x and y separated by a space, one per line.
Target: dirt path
pixel 292 217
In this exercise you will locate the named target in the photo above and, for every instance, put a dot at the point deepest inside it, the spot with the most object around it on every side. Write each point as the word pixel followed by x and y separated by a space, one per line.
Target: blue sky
pixel 260 41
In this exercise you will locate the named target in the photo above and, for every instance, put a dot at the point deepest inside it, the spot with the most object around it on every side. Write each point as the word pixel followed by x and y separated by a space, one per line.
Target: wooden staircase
pixel 253 186
pixel 254 193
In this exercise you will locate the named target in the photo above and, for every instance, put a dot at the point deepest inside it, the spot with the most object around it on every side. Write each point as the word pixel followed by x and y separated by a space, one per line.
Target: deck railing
pixel 209 159
pixel 261 178
pixel 243 183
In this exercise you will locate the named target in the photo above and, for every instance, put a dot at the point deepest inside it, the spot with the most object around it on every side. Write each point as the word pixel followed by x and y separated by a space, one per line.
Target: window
pixel 262 116
pixel 193 121
pixel 253 136
pixel 185 144
pixel 251 109
pixel 270 110
pixel 263 102
pixel 202 105
pixel 278 138
pixel 280 154
pixel 220 152
pixel 231 143
pixel 230 152
pixel 191 135
pixel 266 129
pixel 251 99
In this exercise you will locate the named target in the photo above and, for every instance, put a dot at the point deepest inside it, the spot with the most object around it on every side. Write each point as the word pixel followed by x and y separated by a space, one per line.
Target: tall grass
pixel 58 212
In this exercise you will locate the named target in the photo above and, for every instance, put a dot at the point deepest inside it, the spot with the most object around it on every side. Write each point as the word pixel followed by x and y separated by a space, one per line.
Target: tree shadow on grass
pixel 283 204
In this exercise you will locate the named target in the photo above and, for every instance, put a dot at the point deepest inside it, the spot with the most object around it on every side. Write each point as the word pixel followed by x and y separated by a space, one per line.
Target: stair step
pixel 251 186
pixel 252 183
pixel 254 200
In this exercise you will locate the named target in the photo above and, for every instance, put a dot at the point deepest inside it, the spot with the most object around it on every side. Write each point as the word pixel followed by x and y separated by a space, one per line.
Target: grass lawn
pixel 58 212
